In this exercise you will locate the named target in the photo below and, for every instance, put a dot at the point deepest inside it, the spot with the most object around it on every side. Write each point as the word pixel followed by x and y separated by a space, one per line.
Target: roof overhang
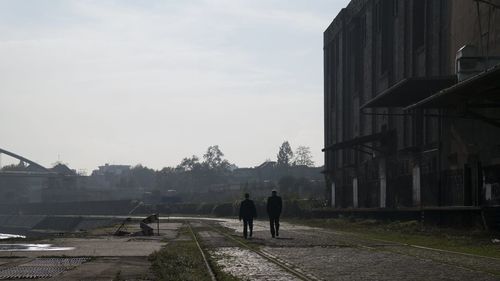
pixel 482 90
pixel 409 91
pixel 360 141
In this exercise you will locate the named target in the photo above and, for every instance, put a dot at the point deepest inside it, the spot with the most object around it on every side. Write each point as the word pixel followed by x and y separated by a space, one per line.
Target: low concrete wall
pixel 446 216
pixel 115 207
pixel 36 225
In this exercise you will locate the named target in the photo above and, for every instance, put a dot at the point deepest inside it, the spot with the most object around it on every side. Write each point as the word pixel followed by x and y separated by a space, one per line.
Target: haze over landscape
pixel 182 140
pixel 128 82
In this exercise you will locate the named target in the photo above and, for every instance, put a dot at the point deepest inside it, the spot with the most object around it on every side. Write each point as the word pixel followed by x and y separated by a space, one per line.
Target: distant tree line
pixel 301 157
pixel 210 173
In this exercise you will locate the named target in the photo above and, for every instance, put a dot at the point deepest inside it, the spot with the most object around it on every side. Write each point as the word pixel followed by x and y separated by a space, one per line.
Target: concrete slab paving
pixel 109 268
pixel 110 256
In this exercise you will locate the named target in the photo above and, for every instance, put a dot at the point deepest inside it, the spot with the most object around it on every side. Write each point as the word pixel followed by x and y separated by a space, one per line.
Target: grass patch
pixel 179 260
pixel 469 241
pixel 182 260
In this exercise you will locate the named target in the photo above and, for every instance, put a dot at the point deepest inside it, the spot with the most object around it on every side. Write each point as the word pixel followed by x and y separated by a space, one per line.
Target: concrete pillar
pixel 355 192
pixel 333 194
pixel 487 192
pixel 416 185
pixel 383 183
pixel 487 189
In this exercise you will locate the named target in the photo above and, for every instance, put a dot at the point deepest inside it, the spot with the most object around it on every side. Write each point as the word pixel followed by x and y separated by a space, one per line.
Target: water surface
pixel 9 236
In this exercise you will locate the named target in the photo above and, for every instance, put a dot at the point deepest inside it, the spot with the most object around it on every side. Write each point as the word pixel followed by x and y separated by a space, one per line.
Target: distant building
pixel 62 169
pixel 400 130
pixel 115 170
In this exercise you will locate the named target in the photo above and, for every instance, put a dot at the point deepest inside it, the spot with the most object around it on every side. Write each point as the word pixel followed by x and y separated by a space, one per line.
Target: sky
pixel 151 82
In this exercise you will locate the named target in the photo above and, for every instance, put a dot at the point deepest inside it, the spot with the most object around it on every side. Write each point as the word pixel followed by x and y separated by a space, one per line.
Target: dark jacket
pixel 247 209
pixel 274 205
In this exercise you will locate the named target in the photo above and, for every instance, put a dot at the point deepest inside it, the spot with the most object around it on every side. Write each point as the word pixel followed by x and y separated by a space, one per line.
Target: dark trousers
pixel 274 223
pixel 247 223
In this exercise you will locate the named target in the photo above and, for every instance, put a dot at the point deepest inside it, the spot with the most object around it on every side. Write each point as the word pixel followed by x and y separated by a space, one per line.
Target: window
pixel 419 23
pixel 378 17
pixel 362 31
pixel 336 52
pixel 396 8
pixel 387 31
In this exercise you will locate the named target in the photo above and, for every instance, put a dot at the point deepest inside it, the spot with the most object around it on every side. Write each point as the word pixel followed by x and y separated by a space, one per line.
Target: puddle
pixel 10 236
pixel 31 248
pixel 248 265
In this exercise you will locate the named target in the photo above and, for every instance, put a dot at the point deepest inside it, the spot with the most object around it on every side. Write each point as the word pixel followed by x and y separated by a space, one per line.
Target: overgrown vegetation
pixel 469 241
pixel 182 260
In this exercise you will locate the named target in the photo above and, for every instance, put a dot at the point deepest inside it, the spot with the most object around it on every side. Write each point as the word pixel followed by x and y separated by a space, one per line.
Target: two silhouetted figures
pixel 248 212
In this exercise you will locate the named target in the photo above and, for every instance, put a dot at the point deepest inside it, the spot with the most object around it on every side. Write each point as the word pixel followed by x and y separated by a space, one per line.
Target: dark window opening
pixel 336 52
pixel 355 49
pixel 396 8
pixel 362 30
pixel 419 23
pixel 387 24
pixel 378 17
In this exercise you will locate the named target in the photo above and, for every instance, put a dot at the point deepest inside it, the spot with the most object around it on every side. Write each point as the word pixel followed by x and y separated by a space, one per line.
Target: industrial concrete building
pixel 402 129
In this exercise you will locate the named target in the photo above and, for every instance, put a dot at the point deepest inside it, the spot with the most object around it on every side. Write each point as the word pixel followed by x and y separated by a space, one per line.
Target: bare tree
pixel 303 156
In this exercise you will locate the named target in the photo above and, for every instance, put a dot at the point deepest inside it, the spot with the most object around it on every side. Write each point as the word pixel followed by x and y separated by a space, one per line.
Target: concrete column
pixel 333 194
pixel 383 183
pixel 416 185
pixel 355 192
pixel 487 189
pixel 487 192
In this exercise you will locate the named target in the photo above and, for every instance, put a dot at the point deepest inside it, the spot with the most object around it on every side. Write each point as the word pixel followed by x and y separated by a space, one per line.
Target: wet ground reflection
pixel 10 236
pixel 31 248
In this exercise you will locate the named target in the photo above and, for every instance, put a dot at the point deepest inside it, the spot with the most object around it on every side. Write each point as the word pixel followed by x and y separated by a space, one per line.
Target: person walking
pixel 274 205
pixel 247 212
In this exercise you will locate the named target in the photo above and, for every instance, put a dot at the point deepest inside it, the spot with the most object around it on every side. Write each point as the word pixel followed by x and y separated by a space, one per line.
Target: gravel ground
pixel 247 265
pixel 331 263
pixel 335 255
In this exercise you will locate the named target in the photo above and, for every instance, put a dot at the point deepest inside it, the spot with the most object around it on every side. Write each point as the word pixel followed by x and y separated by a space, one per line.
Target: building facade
pixel 384 146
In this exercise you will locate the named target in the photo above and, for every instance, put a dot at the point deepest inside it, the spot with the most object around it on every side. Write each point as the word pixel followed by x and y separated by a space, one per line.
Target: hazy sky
pixel 151 82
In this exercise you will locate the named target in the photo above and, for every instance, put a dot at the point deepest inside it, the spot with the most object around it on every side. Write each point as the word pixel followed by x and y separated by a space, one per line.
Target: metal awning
pixel 409 91
pixel 482 90
pixel 361 141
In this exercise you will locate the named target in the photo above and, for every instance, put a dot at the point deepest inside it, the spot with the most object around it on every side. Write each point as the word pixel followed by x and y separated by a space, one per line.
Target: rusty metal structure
pixel 146 230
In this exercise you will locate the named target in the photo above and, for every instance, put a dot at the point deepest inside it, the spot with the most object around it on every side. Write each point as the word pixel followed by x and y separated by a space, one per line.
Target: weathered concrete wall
pixel 120 207
pixel 368 48
pixel 465 28
pixel 36 225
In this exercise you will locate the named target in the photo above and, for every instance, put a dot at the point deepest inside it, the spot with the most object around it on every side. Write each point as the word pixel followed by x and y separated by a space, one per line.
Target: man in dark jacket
pixel 247 213
pixel 274 205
